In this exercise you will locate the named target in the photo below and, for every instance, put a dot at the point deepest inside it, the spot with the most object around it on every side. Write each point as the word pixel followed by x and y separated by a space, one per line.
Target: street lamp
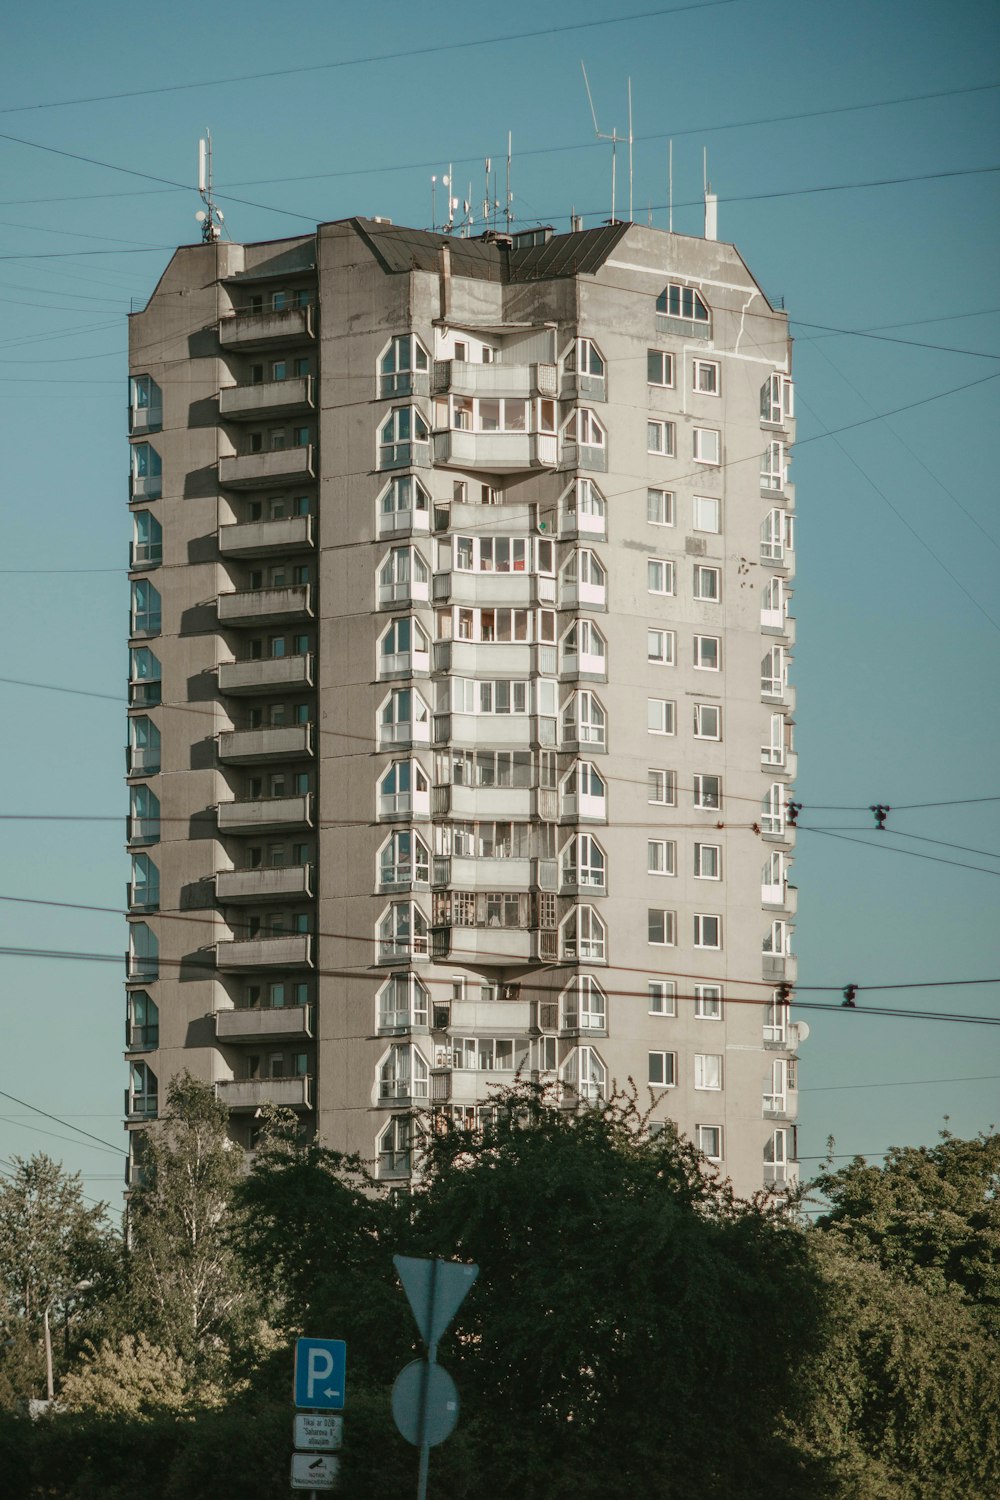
pixel 81 1286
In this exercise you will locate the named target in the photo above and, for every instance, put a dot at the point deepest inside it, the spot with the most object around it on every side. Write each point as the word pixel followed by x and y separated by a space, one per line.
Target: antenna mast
pixel 614 138
pixel 509 212
pixel 210 218
pixel 630 138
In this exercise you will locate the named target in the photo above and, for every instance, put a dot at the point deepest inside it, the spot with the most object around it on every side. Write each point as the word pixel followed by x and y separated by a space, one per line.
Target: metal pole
pixel 49 1384
pixel 425 1447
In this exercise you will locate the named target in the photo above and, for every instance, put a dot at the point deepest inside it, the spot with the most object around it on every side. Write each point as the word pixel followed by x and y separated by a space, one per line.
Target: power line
pixel 897 1083
pixel 891 849
pixel 858 333
pixel 59 1121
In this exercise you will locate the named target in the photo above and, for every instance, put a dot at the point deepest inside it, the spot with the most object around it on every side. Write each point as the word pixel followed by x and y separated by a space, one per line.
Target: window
pixel 404 860
pixel 403 648
pixel 778 940
pixel 772 809
pixel 584 647
pixel 661 927
pixel 773 672
pixel 144 890
pixel 142 1092
pixel 662 997
pixel 584 720
pixel 659 576
pixel 774 467
pixel 145 404
pixel 708 1002
pixel 143 1025
pixel 403 1002
pixel 659 508
pixel 584 936
pixel 147 540
pixel 586 429
pixel 403 577
pixel 146 608
pixel 708 792
pixel 404 357
pixel 584 579
pixel 661 437
pixel 708 862
pixel 585 507
pixel 402 933
pixel 678 301
pixel 776 1088
pixel 707 1070
pixel 662 1070
pixel 661 857
pixel 404 717
pixel 583 862
pixel 144 816
pixel 777 399
pixel 707 721
pixel 144 678
pixel 403 1074
pixel 404 496
pixel 706 445
pixel 659 368
pixel 585 1073
pixel 776 1157
pixel 661 647
pixel 705 377
pixel 707 583
pixel 584 1005
pixel 147 472
pixel 143 953
pixel 777 536
pixel 706 652
pixel 708 1139
pixel 403 438
pixel 707 931
pixel 706 514
pixel 660 715
pixel 776 1014
pixel 661 787
pixel 584 358
pixel 398 786
pixel 143 746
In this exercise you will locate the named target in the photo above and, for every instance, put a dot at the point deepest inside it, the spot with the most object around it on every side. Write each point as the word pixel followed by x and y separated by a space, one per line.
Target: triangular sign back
pixel 435 1290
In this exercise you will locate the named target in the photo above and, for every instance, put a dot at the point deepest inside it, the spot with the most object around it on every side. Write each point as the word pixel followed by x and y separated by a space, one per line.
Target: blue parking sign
pixel 320 1370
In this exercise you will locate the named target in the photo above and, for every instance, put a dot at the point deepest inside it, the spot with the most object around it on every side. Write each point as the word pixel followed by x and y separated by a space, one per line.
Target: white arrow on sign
pixel 435 1290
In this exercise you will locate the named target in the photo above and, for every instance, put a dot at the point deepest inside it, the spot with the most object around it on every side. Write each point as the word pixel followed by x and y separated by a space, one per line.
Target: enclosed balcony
pixel 493 945
pixel 496 452
pixel 253 1093
pixel 779 966
pixel 491 1017
pixel 494 659
pixel 269 674
pixel 517 588
pixel 495 874
pixel 265 815
pixel 265 1023
pixel 266 538
pixel 142 760
pixel 460 377
pixel 272 398
pixel 257 471
pixel 500 731
pixel 289 950
pixel 262 330
pixel 266 606
pixel 514 803
pixel 249 746
pixel 264 885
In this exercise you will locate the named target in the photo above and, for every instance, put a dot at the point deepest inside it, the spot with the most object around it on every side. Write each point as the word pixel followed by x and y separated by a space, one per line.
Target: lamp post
pixel 81 1286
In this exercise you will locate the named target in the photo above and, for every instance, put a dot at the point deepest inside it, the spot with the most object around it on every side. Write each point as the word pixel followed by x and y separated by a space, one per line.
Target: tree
pixel 57 1257
pixel 186 1288
pixel 128 1377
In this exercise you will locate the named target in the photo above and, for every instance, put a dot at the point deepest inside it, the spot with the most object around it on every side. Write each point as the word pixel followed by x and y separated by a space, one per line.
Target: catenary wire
pixel 890 849
pixel 60 1121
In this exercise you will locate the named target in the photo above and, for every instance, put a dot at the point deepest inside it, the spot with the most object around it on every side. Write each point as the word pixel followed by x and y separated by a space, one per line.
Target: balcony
pixel 583 807
pixel 145 487
pixel 265 815
pixel 145 692
pixel 513 803
pixel 287 950
pixel 264 885
pixel 495 874
pixel 143 830
pixel 585 456
pixel 493 945
pixel 781 895
pixel 469 1085
pixel 243 747
pixel 583 666
pixel 266 538
pixel 515 589
pixel 494 659
pixel 253 1093
pixel 257 471
pixel 496 452
pixel 415 804
pixel 266 606
pixel 587 387
pixel 262 330
pixel 403 734
pixel 142 897
pixel 264 1023
pixel 462 378
pixel 143 420
pixel 269 674
pixel 779 966
pixel 273 398
pixel 499 520
pixel 491 1017
pixel 683 328
pixel 581 594
pixel 778 622
pixel 500 731
pixel 142 760
pixel 395 1166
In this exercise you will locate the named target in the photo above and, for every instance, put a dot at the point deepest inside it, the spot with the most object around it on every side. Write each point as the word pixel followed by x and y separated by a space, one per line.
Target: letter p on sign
pixel 320 1367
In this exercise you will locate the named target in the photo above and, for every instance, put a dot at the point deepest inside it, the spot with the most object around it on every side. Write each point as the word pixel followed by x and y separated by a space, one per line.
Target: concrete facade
pixel 460 729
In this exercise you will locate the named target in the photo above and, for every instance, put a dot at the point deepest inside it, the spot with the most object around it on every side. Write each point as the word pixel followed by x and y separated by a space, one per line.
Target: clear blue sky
pixel 899 541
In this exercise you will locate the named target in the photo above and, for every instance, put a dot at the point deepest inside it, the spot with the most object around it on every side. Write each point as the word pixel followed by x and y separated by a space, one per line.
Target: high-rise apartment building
pixel 460 734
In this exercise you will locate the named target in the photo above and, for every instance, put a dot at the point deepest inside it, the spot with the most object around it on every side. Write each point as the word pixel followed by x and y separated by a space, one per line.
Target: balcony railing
pixel 260 606
pixel 265 814
pixel 249 746
pixel 269 674
pixel 503 731
pixel 254 471
pixel 264 885
pixel 496 452
pixel 253 1093
pixel 482 874
pixel 273 398
pixel 493 945
pixel 461 587
pixel 463 378
pixel 142 760
pixel 494 659
pixel 264 1023
pixel 266 538
pixel 259 330
pixel 284 951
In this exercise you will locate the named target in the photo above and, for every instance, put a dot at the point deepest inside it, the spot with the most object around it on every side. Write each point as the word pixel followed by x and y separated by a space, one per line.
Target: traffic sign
pixel 428 1389
pixel 319 1430
pixel 320 1369
pixel 435 1290
pixel 314 1471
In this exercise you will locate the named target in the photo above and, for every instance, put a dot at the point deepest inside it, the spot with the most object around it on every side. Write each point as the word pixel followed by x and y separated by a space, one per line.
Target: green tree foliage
pixel 56 1254
pixel 126 1377
pixel 187 1291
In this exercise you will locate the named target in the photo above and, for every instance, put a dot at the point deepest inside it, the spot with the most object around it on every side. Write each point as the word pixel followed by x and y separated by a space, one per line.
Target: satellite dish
pixel 201 216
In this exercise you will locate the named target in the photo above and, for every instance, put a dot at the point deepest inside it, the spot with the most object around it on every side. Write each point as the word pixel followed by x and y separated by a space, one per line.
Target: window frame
pixel 698 367
pixel 669 507
pixel 666 361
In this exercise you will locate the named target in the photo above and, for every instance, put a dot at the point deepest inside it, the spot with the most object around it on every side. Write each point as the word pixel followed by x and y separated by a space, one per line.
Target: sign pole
pixel 425 1447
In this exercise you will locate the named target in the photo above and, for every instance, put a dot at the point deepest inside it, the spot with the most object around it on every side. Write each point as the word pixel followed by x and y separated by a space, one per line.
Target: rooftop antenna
pixel 434 204
pixel 509 211
pixel 630 138
pixel 614 138
pixel 210 218
pixel 670 187
pixel 449 222
pixel 711 201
